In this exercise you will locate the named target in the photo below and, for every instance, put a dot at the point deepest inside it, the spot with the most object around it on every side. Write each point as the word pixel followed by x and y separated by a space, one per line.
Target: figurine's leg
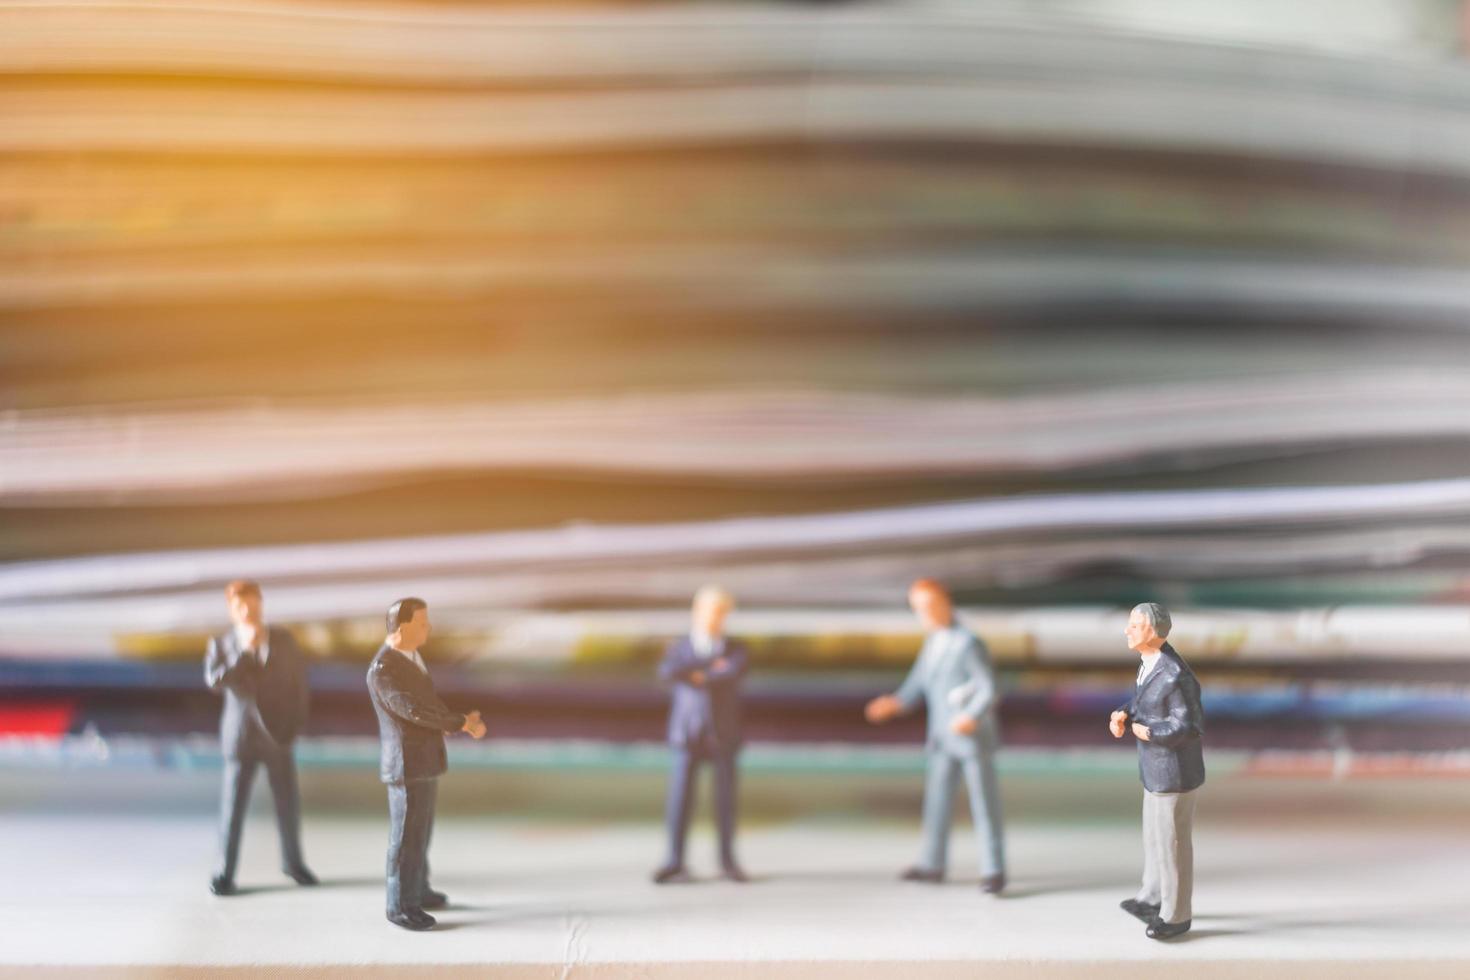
pixel 430 798
pixel 938 807
pixel 725 806
pixel 1149 893
pixel 681 797
pixel 397 847
pixel 1176 856
pixel 239 773
pixel 985 812
pixel 280 768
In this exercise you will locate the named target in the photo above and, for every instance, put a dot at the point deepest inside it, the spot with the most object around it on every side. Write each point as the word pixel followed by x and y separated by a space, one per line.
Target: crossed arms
pixel 681 667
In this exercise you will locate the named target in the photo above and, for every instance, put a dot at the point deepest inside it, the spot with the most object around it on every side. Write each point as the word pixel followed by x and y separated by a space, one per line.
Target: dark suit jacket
pixel 708 713
pixel 1172 760
pixel 265 706
pixel 411 719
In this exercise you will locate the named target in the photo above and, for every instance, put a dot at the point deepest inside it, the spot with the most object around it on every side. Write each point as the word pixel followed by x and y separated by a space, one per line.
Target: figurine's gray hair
pixel 1157 616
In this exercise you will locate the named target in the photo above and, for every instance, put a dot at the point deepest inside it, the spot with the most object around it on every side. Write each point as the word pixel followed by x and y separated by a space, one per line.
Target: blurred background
pixel 551 313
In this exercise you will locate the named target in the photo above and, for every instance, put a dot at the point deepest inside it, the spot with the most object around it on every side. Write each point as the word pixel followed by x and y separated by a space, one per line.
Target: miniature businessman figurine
pixel 262 675
pixel 412 722
pixel 1165 716
pixel 954 677
pixel 705 669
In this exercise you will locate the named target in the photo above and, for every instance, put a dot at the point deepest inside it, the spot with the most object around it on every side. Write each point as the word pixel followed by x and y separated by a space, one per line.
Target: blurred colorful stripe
pixel 46 719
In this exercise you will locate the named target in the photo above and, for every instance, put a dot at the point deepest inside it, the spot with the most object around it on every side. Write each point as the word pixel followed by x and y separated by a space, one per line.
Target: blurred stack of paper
pixel 576 308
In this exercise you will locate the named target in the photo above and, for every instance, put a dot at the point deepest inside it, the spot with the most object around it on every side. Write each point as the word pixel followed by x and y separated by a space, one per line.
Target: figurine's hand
pixel 471 722
pixel 696 677
pixel 478 732
pixel 963 725
pixel 1140 730
pixel 881 709
pixel 254 635
pixel 1118 723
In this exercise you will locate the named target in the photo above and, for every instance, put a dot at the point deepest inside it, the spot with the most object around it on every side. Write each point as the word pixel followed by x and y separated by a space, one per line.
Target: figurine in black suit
pixel 412 722
pixel 1165 716
pixel 261 673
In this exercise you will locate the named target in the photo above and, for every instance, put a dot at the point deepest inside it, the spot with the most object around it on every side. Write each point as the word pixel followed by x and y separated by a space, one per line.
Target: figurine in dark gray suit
pixel 1165 716
pixel 704 669
pixel 262 675
pixel 412 722
pixel 953 677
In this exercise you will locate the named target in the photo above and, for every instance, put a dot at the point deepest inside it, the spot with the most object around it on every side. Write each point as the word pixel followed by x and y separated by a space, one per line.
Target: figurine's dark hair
pixel 242 586
pixel 402 611
pixel 1157 616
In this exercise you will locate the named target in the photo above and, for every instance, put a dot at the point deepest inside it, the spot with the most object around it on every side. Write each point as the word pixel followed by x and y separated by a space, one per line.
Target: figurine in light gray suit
pixel 261 674
pixel 953 676
pixel 1165 716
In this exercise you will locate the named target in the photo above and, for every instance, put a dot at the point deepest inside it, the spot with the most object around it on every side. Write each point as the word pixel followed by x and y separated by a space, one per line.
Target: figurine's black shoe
pixel 922 874
pixel 433 899
pixel 301 874
pixel 734 872
pixel 993 884
pixel 221 885
pixel 1141 911
pixel 1159 929
pixel 671 874
pixel 414 919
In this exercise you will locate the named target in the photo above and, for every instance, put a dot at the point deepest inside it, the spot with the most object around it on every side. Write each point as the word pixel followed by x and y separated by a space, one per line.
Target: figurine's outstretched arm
pixel 426 712
pixel 912 688
pixel 218 672
pixel 1184 718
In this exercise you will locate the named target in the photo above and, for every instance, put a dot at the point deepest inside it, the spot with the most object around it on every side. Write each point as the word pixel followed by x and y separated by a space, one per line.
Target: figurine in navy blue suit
pixel 1165 715
pixel 704 669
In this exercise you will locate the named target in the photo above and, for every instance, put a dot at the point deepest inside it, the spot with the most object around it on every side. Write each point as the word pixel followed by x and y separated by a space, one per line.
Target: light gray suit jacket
pixel 954 676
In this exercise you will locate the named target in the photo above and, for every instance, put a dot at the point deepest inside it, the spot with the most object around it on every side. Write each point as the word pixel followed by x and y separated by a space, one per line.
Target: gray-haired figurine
pixel 1165 716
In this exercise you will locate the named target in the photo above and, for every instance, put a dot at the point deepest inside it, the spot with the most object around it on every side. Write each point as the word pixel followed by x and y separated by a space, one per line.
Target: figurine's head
pixel 711 605
pixel 1148 625
pixel 243 598
pixel 931 603
pixel 408 624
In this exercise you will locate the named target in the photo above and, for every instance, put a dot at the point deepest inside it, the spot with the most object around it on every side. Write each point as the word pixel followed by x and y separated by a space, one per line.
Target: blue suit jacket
pixel 1168 702
pixel 708 713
